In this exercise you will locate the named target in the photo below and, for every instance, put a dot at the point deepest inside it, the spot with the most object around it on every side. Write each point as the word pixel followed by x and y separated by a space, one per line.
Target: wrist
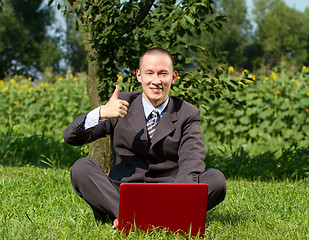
pixel 101 115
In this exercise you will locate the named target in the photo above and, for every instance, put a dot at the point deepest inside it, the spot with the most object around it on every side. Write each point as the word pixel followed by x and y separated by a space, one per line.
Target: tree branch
pixel 143 11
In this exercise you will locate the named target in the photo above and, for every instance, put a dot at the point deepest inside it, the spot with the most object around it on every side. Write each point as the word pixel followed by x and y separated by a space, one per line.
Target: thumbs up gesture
pixel 114 108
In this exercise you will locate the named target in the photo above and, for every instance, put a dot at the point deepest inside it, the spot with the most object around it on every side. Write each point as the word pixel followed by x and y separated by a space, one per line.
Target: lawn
pixel 39 203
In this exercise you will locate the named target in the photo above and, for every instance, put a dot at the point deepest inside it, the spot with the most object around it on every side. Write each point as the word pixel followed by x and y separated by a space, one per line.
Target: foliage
pixel 234 35
pixel 38 203
pixel 30 107
pixel 31 40
pixel 25 46
pixel 277 111
pixel 120 31
pixel 268 138
pixel 282 32
pixel 291 163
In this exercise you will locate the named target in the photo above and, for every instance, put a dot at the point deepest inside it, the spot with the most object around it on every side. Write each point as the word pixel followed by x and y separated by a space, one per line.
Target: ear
pixel 138 75
pixel 175 74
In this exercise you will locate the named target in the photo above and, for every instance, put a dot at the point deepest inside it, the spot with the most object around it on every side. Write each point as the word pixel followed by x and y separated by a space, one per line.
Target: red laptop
pixel 176 206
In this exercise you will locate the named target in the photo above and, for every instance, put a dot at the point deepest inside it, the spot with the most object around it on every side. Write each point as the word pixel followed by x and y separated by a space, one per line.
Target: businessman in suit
pixel 155 138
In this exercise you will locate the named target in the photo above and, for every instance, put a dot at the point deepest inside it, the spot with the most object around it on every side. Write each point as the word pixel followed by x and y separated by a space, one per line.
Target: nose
pixel 156 79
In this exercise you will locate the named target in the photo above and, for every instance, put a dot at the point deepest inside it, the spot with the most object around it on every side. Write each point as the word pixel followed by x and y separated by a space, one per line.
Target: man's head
pixel 156 74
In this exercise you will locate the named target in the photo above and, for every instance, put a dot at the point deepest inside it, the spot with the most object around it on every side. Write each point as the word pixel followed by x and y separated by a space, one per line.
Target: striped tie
pixel 152 123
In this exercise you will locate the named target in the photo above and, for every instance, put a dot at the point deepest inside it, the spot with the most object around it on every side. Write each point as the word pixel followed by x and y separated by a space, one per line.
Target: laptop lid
pixel 176 206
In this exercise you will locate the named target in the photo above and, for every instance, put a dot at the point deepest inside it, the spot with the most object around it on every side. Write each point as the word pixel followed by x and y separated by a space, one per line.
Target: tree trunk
pixel 99 150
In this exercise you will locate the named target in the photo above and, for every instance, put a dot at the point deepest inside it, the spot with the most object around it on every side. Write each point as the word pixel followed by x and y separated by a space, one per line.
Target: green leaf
pixel 253 132
pixel 189 19
pixel 188 60
pixel 174 25
pixel 244 120
pixel 183 23
pixel 267 113
pixel 98 17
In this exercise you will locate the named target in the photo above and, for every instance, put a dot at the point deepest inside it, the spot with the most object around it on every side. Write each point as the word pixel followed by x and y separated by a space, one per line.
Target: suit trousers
pixel 102 193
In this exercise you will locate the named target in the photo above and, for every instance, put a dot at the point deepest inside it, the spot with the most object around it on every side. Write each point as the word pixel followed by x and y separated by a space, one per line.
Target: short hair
pixel 154 51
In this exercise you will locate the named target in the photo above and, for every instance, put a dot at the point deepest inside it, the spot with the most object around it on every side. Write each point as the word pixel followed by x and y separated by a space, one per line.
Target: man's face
pixel 156 74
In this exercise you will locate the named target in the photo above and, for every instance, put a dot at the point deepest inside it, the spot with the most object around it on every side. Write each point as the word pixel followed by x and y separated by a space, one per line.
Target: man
pixel 165 145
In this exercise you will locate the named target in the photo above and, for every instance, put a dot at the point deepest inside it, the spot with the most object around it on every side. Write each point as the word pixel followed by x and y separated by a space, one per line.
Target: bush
pixel 36 107
pixel 276 113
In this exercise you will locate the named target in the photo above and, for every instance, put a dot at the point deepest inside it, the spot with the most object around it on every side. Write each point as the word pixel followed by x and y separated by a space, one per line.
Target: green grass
pixel 39 203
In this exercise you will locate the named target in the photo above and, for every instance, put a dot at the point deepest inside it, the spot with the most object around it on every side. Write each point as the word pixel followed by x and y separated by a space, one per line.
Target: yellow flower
pixel 31 89
pixel 266 78
pixel 231 69
pixel 19 76
pixel 42 85
pixel 16 86
pixel 120 78
pixel 241 83
pixel 29 79
pixel 307 110
pixel 307 93
pixel 12 80
pixel 42 98
pixel 178 77
pixel 71 75
pixel 246 71
pixel 51 105
pixel 75 79
pixel 264 91
pixel 4 89
pixel 20 91
pixel 46 85
pixel 297 81
pixel 220 79
pixel 252 78
pixel 1 82
pixel 61 78
pixel 184 92
pixel 25 86
pixel 274 75
pixel 257 95
pixel 277 92
pixel 15 102
pixel 53 88
pixel 304 67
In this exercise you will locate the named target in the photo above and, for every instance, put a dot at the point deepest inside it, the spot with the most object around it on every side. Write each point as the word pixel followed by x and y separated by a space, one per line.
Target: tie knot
pixel 155 113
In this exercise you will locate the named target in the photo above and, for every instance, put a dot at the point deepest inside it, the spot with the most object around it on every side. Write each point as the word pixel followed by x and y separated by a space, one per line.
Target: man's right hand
pixel 114 108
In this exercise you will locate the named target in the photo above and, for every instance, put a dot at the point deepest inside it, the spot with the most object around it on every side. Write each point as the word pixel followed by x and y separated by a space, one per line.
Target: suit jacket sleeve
pixel 191 150
pixel 75 135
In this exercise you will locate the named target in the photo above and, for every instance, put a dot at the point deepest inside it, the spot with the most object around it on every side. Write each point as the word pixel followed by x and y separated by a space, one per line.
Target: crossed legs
pixel 102 193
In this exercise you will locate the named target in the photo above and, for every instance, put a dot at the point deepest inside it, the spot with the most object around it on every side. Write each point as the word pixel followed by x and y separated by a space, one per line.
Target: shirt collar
pixel 148 108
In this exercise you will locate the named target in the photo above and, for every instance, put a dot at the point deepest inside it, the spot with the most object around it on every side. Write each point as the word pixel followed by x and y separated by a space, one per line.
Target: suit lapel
pixel 166 124
pixel 136 119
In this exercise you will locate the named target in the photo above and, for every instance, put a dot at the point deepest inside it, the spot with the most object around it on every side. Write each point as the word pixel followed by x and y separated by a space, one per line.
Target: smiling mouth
pixel 155 89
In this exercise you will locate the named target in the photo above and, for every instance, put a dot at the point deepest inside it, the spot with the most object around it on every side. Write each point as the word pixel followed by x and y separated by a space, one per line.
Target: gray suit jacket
pixel 176 152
